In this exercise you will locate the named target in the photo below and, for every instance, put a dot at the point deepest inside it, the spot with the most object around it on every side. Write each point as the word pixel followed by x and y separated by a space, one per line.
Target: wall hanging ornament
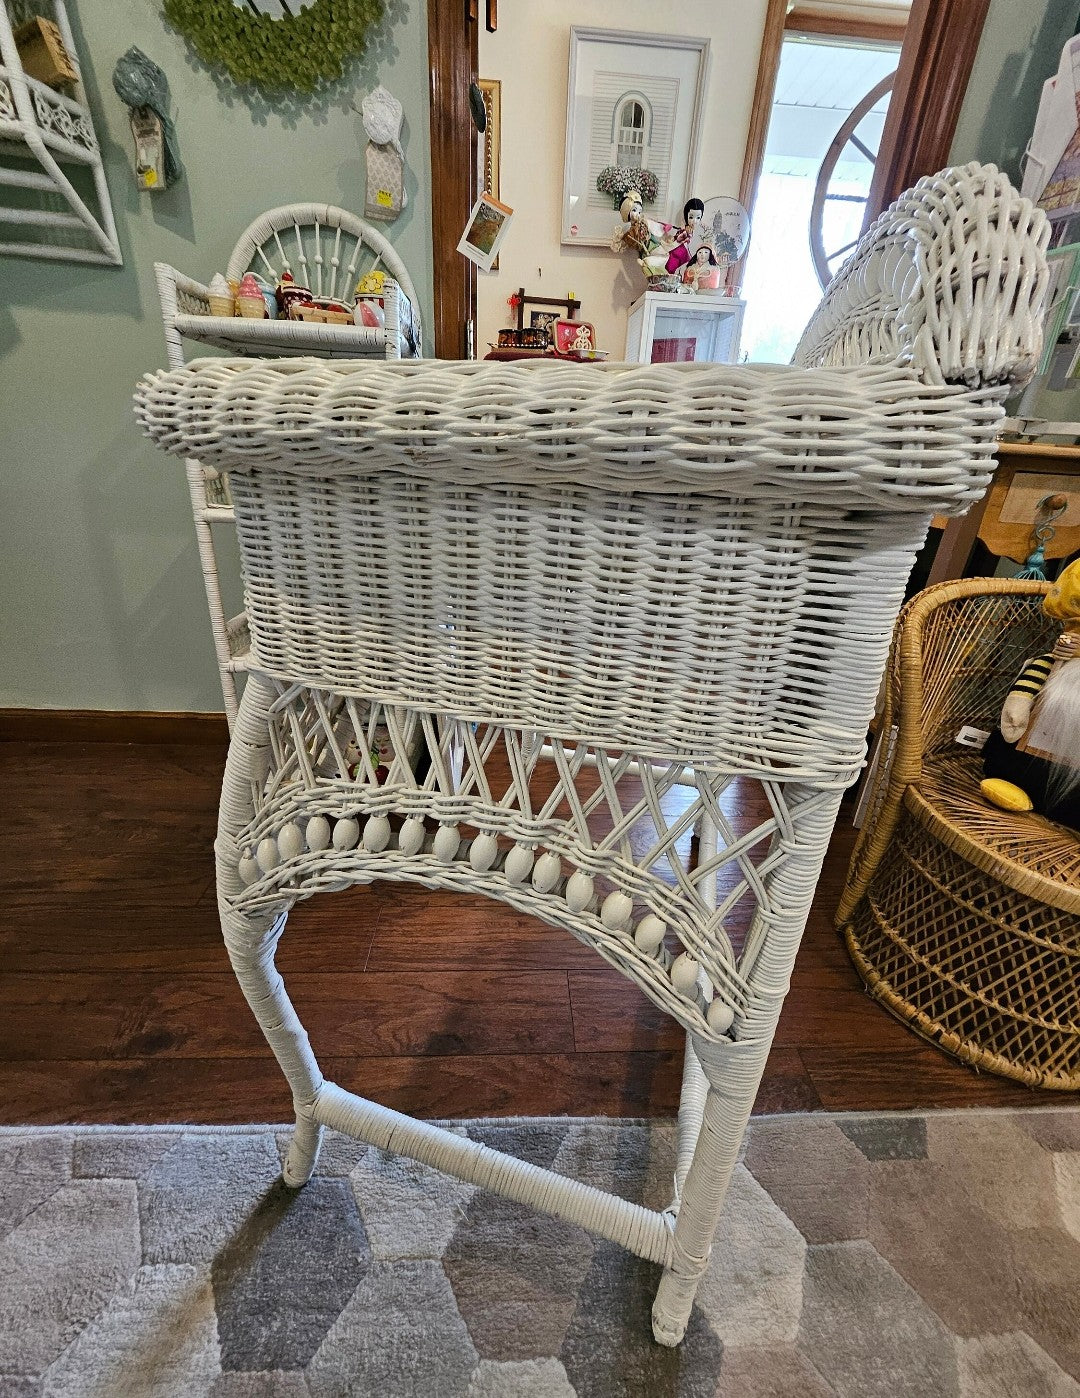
pixel 144 89
pixel 301 48
pixel 384 158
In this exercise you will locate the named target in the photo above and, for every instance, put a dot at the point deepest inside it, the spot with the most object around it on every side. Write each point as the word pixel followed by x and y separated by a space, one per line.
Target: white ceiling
pixel 835 76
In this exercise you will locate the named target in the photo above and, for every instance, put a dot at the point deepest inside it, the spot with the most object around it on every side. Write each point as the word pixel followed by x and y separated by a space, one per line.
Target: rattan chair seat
pixel 1034 855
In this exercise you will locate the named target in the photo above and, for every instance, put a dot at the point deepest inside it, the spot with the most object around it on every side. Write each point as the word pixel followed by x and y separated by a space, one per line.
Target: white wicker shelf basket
pixel 189 318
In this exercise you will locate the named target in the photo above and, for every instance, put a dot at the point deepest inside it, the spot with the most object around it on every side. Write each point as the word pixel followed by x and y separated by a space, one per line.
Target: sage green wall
pixel 1019 49
pixel 102 603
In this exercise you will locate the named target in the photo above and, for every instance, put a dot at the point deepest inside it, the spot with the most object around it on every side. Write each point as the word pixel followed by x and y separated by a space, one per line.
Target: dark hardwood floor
pixel 117 1003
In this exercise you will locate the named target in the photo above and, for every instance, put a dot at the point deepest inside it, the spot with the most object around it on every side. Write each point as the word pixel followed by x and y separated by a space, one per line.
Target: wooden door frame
pixel 453 41
pixel 941 40
pixel 936 61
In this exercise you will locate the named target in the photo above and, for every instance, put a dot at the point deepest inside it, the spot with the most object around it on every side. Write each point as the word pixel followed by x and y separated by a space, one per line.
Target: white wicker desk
pixel 657 567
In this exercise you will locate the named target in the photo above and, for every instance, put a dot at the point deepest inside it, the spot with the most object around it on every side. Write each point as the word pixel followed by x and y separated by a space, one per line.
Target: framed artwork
pixel 568 307
pixel 633 100
pixel 487 227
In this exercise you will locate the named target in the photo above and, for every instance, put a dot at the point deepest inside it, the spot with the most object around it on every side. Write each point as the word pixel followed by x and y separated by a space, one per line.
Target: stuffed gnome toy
pixel 1032 759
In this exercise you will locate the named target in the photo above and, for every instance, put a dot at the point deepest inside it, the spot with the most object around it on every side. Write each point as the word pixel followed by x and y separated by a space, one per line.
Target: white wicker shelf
pixel 277 337
pixel 49 128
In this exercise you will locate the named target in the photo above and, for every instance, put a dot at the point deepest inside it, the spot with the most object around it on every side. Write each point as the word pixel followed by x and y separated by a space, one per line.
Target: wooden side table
pixel 1004 518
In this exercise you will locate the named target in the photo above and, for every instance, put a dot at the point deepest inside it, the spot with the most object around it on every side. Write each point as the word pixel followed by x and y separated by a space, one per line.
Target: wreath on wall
pixel 300 50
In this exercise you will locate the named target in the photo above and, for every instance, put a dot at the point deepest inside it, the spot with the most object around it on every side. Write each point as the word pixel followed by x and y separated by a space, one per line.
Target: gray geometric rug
pixel 860 1256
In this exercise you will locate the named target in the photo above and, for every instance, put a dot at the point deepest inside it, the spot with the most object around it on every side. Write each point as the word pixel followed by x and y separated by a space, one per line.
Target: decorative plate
pixel 725 224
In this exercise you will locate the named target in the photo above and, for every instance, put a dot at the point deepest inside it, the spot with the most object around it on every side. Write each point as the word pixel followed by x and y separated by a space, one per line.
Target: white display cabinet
pixel 665 327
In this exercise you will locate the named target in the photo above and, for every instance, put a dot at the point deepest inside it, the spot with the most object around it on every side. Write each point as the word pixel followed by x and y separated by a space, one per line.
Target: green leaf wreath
pixel 301 50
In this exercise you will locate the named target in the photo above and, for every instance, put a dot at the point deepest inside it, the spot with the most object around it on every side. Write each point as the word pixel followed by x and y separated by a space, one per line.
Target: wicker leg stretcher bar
pixel 964 920
pixel 574 592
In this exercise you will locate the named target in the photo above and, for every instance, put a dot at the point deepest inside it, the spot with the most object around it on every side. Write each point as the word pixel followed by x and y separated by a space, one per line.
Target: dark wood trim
pixel 111 726
pixel 453 36
pixel 768 66
pixel 936 60
pixel 803 21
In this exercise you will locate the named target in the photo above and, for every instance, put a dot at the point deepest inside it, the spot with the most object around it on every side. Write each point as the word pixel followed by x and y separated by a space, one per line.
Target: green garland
pixel 302 50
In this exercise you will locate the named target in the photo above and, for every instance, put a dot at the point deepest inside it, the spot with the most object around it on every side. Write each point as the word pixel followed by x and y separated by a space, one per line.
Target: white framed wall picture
pixel 634 101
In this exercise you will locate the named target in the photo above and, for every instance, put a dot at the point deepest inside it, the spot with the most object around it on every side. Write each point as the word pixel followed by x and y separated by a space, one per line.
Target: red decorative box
pixel 573 337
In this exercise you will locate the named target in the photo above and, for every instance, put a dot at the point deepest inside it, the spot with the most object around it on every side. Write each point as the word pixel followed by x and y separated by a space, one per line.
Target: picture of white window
pixel 632 131
pixel 633 101
pixel 632 126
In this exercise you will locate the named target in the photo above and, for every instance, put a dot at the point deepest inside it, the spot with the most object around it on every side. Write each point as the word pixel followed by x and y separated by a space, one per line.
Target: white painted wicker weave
pixel 326 249
pixel 681 573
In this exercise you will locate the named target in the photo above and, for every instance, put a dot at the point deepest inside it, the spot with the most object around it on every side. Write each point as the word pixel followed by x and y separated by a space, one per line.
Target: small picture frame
pixel 540 320
pixel 487 227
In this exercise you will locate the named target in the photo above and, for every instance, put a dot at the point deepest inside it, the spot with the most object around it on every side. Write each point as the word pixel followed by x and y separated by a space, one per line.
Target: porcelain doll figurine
pixel 633 232
pixel 693 210
pixel 1032 759
pixel 702 272
pixel 651 240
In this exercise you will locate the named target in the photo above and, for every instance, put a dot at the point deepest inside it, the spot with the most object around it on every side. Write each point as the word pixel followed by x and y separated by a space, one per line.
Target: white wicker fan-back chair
pixel 326 249
pixel 576 589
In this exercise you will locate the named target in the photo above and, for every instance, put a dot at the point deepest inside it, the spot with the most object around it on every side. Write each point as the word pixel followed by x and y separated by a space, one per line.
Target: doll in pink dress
pixel 693 211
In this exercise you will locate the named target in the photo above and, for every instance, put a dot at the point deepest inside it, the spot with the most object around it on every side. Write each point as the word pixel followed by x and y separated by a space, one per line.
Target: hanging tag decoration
pixel 384 159
pixel 143 87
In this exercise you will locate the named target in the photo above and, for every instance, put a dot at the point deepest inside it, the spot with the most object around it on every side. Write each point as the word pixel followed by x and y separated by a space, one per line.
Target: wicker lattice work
pixel 515 629
pixel 964 919
pixel 557 832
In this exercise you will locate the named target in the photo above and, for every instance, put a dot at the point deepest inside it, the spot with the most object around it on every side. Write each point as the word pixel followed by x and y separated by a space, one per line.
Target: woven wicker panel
pixel 925 284
pixel 957 650
pixel 747 637
pixel 859 438
pixel 570 815
pixel 972 650
pixel 986 972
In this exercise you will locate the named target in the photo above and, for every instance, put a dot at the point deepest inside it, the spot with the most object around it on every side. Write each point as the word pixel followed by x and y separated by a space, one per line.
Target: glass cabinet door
pixel 693 336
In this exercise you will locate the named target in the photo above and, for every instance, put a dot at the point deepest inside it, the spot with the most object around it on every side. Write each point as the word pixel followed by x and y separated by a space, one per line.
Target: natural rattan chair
pixel 581 588
pixel 964 920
